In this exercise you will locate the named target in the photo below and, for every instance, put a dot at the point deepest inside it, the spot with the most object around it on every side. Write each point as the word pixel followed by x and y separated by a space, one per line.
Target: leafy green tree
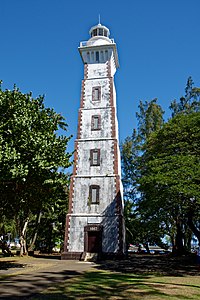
pixel 150 118
pixel 33 157
pixel 190 102
pixel 144 214
pixel 170 173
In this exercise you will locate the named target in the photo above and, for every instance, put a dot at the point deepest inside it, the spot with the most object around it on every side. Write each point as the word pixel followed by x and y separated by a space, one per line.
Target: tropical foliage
pixel 161 173
pixel 33 157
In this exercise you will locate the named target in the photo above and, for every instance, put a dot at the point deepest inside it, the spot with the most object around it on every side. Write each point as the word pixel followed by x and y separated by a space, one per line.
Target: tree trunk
pixel 178 247
pixel 25 226
pixel 36 231
pixel 192 226
pixel 188 238
pixel 23 240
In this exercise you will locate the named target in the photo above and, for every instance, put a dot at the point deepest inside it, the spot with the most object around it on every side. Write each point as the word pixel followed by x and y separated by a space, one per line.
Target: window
pixel 106 55
pixel 94 32
pixel 88 56
pixel 96 93
pixel 105 32
pixel 97 56
pixel 96 122
pixel 95 157
pixel 100 31
pixel 94 194
pixel 102 56
pixel 92 56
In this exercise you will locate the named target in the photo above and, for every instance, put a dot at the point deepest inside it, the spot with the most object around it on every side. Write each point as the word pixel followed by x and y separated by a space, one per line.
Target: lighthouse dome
pixel 99 30
pixel 99 35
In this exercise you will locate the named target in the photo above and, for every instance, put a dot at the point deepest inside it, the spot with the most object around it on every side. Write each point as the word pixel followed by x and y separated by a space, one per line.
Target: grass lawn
pixel 102 284
pixel 143 277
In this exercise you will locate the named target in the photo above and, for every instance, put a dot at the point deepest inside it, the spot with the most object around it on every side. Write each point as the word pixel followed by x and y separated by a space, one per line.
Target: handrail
pixel 91 43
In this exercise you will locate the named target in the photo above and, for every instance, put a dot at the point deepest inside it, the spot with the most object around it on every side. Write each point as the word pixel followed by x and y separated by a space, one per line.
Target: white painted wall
pixel 106 158
pixel 86 118
pixel 104 213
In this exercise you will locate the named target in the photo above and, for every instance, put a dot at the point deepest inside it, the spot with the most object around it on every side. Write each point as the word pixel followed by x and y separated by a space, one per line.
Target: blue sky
pixel 158 46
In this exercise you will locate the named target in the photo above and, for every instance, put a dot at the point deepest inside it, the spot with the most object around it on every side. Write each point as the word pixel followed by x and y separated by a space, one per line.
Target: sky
pixel 158 44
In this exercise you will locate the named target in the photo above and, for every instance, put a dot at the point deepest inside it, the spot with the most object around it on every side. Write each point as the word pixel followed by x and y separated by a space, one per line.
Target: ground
pixel 139 277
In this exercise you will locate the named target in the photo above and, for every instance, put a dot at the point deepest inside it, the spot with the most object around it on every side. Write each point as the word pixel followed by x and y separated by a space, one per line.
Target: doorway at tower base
pixel 93 241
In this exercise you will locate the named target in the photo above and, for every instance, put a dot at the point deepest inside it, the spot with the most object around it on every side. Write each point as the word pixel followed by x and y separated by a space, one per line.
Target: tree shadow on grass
pixel 105 285
pixel 164 265
pixel 26 286
pixel 96 285
pixel 9 264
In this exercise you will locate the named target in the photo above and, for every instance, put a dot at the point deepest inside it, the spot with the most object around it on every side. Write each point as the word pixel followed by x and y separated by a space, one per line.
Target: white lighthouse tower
pixel 94 223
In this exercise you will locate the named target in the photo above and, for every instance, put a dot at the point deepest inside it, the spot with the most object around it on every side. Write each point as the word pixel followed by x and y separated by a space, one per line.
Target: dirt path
pixel 22 278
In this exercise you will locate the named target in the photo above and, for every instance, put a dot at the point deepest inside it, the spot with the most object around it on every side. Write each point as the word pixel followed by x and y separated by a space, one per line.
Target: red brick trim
pixel 113 125
pixel 115 157
pixel 67 227
pixel 109 68
pixel 75 158
pixel 71 194
pixel 118 198
pixel 82 94
pixel 113 109
pixel 70 209
pixel 85 71
pixel 111 82
pixel 119 213
pixel 79 124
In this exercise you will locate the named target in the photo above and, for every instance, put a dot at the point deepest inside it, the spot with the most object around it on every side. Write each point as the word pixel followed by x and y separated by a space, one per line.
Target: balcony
pixel 93 43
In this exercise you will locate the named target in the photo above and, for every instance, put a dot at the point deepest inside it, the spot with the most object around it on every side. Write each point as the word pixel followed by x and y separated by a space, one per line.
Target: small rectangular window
pixel 106 55
pixel 102 56
pixel 97 56
pixel 88 56
pixel 94 194
pixel 95 157
pixel 92 56
pixel 96 122
pixel 96 93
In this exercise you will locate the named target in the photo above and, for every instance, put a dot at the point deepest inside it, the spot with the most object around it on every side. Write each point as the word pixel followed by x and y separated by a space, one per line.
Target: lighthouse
pixel 95 223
